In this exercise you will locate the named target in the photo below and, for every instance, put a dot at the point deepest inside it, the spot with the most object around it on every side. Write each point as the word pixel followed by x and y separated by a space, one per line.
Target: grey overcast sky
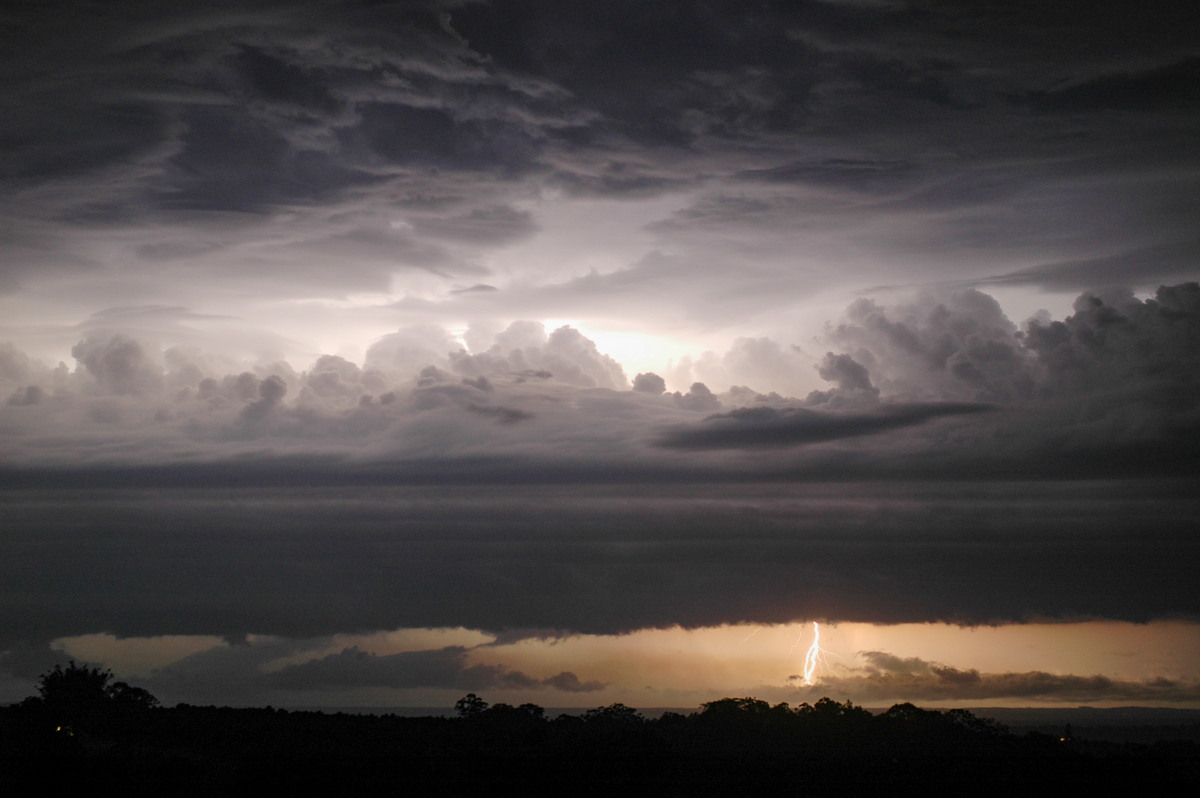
pixel 511 323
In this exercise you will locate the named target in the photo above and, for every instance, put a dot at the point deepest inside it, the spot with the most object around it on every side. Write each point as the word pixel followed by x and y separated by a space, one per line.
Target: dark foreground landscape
pixel 96 735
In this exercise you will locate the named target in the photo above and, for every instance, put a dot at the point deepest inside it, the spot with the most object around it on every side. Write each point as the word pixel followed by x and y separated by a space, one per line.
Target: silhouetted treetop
pixel 79 693
pixel 470 706
pixel 614 714
pixel 75 685
pixel 727 706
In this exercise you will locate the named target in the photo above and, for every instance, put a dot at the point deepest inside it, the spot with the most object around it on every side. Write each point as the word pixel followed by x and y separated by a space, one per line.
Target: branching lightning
pixel 814 652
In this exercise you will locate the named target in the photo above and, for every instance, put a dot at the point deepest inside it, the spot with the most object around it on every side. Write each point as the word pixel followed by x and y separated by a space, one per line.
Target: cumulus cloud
pixel 333 380
pixel 407 351
pixel 524 348
pixel 1113 380
pixel 847 374
pixel 270 392
pixel 1081 395
pixel 960 346
pixel 14 364
pixel 756 362
pixel 119 364
pixel 698 398
pixel 761 363
pixel 29 395
pixel 581 361
pixel 1115 339
pixel 649 383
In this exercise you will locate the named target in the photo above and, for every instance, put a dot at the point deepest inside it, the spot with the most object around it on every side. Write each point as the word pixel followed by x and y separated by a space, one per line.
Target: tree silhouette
pixel 127 696
pixel 727 706
pixel 74 692
pixel 470 706
pixel 614 715
pixel 78 695
pixel 733 746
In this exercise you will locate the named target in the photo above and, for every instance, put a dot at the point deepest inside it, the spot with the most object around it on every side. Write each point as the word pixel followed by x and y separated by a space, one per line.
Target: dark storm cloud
pixel 193 117
pixel 234 503
pixel 267 561
pixel 430 137
pixel 770 427
pixel 1118 364
pixel 657 75
pixel 246 155
pixel 441 668
pixel 896 81
pixel 243 111
pixel 1113 335
pixel 1114 382
pixel 228 163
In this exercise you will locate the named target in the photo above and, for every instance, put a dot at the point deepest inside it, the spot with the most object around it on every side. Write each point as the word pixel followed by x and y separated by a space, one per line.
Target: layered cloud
pixel 521 311
pixel 302 151
pixel 768 427
pixel 886 677
pixel 530 484
pixel 442 668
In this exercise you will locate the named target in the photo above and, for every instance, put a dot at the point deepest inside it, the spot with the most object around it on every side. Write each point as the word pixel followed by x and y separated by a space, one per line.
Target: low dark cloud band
pixel 305 562
pixel 769 427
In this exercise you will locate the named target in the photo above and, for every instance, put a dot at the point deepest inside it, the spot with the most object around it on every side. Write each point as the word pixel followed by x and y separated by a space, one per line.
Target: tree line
pixel 84 729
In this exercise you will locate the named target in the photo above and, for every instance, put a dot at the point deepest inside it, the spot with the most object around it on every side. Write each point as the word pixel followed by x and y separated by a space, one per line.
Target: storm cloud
pixel 527 516
pixel 265 561
pixel 331 317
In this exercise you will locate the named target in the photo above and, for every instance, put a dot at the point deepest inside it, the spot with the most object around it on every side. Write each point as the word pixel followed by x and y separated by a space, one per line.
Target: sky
pixel 372 353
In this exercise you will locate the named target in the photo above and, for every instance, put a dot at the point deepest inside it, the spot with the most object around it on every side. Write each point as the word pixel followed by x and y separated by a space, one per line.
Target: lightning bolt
pixel 814 651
